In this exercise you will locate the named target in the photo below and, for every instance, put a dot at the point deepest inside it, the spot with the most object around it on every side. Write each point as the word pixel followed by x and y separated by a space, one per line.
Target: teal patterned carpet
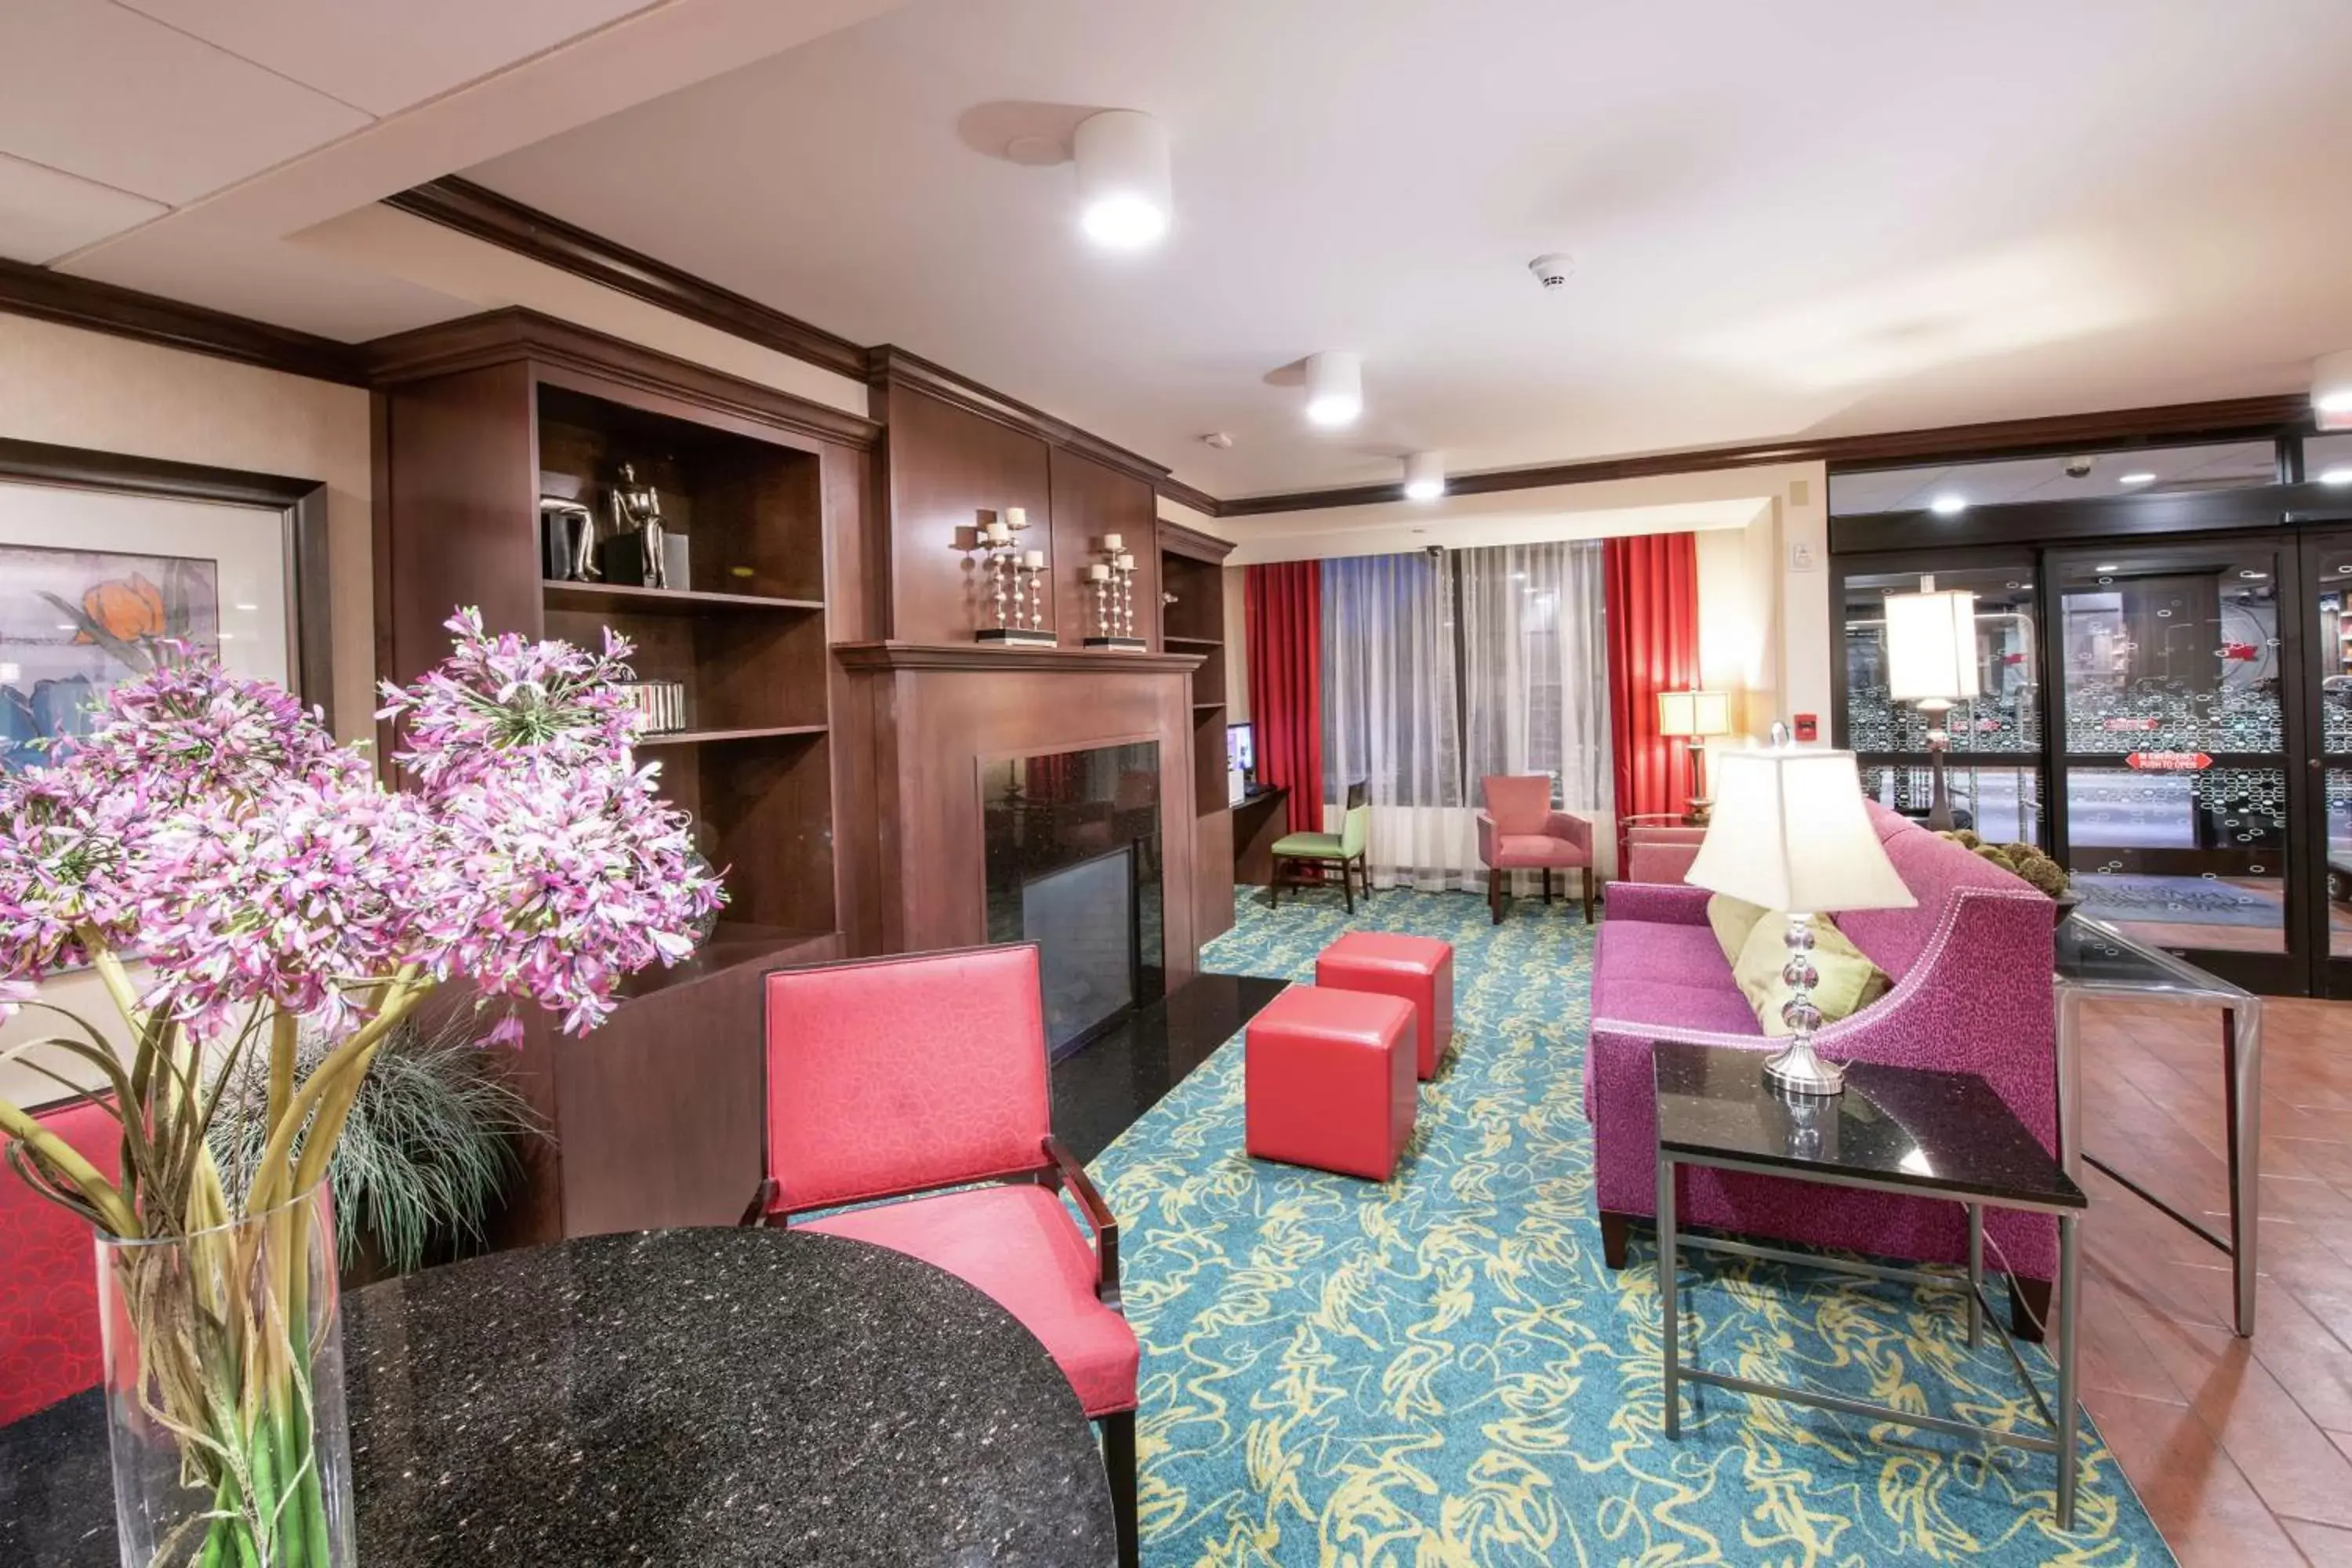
pixel 1439 1369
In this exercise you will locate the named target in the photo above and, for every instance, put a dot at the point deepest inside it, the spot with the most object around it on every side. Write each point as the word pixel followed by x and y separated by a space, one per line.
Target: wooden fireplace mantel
pixel 874 657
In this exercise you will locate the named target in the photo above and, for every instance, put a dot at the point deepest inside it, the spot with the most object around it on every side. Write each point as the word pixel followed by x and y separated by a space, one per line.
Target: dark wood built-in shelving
pixel 1193 574
pixel 712 737
pixel 664 601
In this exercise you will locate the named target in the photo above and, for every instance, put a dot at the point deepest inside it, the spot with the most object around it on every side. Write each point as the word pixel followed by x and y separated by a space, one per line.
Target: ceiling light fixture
pixel 2138 479
pixel 1335 389
pixel 2331 390
pixel 1424 475
pixel 1124 186
pixel 1947 504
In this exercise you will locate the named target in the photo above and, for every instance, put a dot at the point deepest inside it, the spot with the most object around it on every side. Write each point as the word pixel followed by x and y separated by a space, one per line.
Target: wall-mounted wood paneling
pixel 1092 500
pixel 930 716
pixel 947 465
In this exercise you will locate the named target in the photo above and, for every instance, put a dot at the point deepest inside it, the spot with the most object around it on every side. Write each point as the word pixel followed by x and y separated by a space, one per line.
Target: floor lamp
pixel 1931 660
pixel 1792 835
pixel 1693 715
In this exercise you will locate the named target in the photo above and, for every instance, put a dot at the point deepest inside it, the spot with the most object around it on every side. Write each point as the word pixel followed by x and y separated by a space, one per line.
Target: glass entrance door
pixel 2328 588
pixel 2179 713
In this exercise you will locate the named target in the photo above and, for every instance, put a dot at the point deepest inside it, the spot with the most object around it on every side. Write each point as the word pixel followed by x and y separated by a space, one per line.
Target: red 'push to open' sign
pixel 2168 762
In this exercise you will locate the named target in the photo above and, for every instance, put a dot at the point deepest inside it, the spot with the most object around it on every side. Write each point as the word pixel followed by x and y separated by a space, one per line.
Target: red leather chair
pixel 1519 830
pixel 49 1342
pixel 897 1077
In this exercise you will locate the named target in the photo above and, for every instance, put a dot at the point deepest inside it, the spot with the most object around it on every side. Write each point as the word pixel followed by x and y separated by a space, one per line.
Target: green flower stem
pixel 60 1156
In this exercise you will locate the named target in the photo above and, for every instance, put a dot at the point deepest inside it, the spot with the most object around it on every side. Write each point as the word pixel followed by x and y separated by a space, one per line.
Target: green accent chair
pixel 1346 850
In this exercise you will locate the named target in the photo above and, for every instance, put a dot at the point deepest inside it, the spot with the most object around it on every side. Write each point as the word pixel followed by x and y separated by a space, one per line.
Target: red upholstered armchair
pixel 1519 830
pixel 49 1343
pixel 897 1077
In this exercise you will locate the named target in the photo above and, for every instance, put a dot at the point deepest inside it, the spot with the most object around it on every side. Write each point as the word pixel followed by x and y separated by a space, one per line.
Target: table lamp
pixel 1695 715
pixel 1931 660
pixel 1790 833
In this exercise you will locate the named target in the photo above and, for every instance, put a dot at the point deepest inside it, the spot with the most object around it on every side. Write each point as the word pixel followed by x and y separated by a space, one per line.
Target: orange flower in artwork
pixel 126 608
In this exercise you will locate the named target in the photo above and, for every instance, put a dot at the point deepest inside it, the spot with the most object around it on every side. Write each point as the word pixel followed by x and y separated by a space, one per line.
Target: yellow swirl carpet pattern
pixel 1439 1369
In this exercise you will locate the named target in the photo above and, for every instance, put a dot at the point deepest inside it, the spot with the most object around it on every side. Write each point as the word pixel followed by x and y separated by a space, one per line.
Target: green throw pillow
pixel 1732 918
pixel 1849 981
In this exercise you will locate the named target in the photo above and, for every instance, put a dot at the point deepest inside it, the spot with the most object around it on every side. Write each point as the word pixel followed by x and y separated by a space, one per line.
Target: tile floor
pixel 2242 1450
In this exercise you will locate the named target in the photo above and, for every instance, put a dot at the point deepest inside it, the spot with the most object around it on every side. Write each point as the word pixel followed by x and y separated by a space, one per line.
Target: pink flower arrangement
pixel 211 822
pixel 211 830
pixel 233 875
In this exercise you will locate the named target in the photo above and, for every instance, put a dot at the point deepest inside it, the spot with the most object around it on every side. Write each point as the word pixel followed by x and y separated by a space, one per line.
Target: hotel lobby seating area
pixel 924 782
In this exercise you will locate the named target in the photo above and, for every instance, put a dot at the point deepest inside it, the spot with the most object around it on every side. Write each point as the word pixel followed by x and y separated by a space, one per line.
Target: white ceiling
pixel 1807 216
pixel 111 113
pixel 174 145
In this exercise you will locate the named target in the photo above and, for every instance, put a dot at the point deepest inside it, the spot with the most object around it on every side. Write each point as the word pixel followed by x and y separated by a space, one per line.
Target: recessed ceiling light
pixel 1945 505
pixel 2252 575
pixel 1335 389
pixel 1124 187
pixel 2335 476
pixel 1424 475
pixel 2106 566
pixel 2138 479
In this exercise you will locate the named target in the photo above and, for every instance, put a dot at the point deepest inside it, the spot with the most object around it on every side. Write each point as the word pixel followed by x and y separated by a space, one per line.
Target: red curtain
pixel 1651 588
pixel 1284 631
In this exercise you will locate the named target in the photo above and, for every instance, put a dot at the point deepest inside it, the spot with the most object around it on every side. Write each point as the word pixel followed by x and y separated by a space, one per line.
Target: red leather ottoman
pixel 1418 969
pixel 1327 1078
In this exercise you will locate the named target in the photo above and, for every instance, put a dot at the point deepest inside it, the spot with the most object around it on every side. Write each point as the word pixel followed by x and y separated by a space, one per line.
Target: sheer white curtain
pixel 1534 674
pixel 1390 716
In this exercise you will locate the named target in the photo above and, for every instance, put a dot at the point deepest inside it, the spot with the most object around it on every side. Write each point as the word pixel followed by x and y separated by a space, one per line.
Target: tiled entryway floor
pixel 2242 1450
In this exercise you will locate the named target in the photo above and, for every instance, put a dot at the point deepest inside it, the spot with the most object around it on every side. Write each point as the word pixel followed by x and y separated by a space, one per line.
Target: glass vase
pixel 224 1393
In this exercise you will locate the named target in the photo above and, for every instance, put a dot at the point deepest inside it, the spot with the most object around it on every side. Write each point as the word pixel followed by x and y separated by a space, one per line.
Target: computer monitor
pixel 1241 748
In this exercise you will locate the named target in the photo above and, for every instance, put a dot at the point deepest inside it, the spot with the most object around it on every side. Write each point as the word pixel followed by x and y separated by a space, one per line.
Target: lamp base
pixel 1798 1071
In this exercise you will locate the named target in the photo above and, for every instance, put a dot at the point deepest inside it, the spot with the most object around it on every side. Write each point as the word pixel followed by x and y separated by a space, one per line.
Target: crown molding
pixel 1198 499
pixel 84 303
pixel 498 337
pixel 482 213
pixel 1193 542
pixel 2236 416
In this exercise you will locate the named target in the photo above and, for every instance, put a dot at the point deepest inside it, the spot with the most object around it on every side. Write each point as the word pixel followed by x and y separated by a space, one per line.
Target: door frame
pixel 2295 971
pixel 2331 975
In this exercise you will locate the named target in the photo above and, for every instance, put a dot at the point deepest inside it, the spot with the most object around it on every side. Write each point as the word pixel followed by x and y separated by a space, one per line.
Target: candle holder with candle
pixel 1017 575
pixel 1113 580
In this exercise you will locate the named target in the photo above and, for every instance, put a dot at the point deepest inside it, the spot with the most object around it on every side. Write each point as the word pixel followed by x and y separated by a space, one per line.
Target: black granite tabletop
pixel 1944 1133
pixel 695 1396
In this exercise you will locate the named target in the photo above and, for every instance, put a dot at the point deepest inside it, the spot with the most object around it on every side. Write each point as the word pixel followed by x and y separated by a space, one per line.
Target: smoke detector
pixel 1219 440
pixel 1553 270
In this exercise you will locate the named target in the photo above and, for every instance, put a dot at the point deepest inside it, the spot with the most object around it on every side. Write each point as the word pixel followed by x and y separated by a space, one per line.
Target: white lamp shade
pixel 1931 647
pixel 1335 389
pixel 2331 390
pixel 1694 713
pixel 1790 833
pixel 1125 191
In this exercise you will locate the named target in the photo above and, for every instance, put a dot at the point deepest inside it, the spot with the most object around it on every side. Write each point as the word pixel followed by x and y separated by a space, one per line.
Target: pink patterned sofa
pixel 1972 992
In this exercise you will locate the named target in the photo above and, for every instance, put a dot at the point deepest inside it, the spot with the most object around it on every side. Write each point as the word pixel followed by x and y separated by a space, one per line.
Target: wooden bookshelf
pixel 657 1115
pixel 1192 574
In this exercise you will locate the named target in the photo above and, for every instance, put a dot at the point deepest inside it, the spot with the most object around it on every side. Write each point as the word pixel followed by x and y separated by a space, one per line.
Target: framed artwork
pixel 103 560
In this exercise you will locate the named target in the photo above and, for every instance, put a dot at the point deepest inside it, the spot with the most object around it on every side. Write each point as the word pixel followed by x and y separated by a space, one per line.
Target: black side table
pixel 1895 1129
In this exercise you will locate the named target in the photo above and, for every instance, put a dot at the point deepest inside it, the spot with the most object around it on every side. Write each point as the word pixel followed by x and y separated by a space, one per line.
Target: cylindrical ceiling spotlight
pixel 2331 390
pixel 1335 389
pixel 1125 193
pixel 1424 475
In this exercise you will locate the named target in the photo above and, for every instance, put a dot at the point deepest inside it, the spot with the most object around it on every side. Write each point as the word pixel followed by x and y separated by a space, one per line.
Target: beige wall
pixel 73 388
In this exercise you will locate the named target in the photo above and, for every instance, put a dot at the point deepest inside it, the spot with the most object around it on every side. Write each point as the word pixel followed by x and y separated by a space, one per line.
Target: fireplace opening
pixel 1073 863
